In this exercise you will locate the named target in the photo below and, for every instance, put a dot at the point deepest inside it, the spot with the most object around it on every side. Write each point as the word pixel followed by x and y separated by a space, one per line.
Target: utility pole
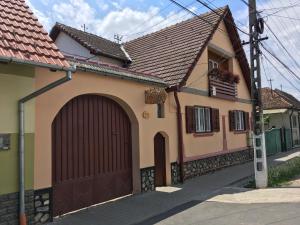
pixel 260 157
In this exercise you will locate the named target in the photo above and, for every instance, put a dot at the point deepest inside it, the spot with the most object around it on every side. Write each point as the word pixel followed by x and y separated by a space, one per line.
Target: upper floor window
pixel 212 64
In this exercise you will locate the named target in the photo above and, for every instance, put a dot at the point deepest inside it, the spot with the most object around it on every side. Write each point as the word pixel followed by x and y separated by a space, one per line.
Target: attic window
pixel 212 64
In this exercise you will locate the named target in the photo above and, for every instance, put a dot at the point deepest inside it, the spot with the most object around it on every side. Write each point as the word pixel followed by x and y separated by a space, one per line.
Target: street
pixel 210 199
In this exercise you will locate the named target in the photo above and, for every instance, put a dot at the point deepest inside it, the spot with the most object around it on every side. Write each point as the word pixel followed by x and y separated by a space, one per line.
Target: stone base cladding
pixel 147 179
pixel 42 206
pixel 175 173
pixel 210 164
pixel 9 208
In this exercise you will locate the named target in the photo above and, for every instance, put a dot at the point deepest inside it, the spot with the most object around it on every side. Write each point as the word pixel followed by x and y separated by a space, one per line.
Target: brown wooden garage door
pixel 91 153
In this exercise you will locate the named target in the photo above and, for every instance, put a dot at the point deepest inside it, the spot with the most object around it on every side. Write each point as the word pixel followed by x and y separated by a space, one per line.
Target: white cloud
pixel 43 18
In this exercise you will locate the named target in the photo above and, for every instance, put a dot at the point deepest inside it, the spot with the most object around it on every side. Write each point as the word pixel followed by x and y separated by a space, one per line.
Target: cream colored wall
pixel 131 94
pixel 199 78
pixel 13 88
pixel 209 145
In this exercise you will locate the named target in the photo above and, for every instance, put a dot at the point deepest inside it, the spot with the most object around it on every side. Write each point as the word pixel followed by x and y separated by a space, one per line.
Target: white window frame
pixel 239 118
pixel 203 119
pixel 214 64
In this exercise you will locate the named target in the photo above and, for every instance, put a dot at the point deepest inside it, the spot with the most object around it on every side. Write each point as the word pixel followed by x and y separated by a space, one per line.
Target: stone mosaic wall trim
pixel 42 206
pixel 9 208
pixel 203 166
pixel 147 179
pixel 175 173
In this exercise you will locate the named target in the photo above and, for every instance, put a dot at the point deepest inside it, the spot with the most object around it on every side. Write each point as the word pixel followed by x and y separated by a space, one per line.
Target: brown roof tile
pixel 276 99
pixel 23 37
pixel 96 44
pixel 171 53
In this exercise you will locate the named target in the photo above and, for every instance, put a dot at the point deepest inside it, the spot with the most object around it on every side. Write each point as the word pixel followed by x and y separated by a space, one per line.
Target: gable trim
pixel 190 70
pixel 236 44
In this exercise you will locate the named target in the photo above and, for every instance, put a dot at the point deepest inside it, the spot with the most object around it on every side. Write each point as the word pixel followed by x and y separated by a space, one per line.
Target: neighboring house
pixel 159 109
pixel 282 110
pixel 26 52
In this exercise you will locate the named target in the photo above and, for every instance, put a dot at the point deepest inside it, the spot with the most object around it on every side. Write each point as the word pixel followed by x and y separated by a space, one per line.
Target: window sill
pixel 208 134
pixel 241 132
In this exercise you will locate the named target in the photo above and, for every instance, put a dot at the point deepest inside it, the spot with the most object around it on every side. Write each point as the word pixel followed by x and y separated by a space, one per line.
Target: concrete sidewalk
pixel 165 202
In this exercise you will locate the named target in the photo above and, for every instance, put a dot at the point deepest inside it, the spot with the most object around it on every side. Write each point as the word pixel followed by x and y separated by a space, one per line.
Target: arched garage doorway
pixel 91 153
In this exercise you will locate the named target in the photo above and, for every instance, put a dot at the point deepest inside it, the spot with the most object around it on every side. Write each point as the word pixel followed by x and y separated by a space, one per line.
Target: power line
pixel 281 62
pixel 140 25
pixel 164 20
pixel 285 17
pixel 217 13
pixel 281 9
pixel 280 73
pixel 285 49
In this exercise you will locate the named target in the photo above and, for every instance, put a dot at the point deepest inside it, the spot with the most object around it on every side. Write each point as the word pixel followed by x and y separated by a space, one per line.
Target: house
pixel 26 51
pixel 282 110
pixel 154 111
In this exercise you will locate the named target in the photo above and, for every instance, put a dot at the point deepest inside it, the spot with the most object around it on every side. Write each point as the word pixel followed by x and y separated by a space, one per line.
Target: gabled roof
pixel 276 99
pixel 290 98
pixel 172 53
pixel 23 37
pixel 96 44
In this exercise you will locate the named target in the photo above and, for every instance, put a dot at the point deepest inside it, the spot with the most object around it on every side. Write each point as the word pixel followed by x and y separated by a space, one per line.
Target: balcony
pixel 223 84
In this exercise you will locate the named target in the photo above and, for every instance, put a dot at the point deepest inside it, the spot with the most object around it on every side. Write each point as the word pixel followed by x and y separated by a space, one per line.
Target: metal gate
pixel 273 141
pixel 91 153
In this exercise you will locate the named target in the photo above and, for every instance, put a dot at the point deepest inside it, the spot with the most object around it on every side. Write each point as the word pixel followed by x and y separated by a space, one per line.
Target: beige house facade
pixel 151 112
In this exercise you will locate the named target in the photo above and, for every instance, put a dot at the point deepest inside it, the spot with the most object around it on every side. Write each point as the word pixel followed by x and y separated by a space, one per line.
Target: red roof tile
pixel 23 37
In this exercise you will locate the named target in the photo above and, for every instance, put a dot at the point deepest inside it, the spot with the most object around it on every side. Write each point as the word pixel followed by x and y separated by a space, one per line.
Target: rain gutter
pixel 179 134
pixel 21 118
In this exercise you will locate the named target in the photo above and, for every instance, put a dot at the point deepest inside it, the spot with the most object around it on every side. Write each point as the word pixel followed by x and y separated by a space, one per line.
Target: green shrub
pixel 281 174
pixel 284 172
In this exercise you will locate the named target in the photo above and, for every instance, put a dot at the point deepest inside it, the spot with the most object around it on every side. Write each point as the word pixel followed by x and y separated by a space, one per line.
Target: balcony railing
pixel 223 84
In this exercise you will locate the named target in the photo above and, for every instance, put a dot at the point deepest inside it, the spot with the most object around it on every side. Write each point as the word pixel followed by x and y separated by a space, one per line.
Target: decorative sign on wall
pixel 4 142
pixel 146 115
pixel 155 96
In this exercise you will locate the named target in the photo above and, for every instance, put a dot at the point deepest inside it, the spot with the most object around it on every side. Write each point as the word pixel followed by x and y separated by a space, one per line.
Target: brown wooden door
pixel 91 153
pixel 160 160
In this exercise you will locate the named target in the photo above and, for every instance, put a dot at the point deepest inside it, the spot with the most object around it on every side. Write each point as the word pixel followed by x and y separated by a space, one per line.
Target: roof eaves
pixel 119 74
pixel 38 64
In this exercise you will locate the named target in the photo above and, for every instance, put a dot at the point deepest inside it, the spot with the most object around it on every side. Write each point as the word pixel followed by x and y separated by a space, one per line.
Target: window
pixel 203 119
pixel 212 64
pixel 160 110
pixel 238 120
pixel 294 121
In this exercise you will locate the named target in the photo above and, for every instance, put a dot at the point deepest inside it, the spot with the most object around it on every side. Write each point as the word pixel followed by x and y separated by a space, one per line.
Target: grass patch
pixel 281 174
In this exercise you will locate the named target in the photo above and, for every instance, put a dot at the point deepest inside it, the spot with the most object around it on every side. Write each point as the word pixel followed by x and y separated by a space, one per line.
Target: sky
pixel 133 18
